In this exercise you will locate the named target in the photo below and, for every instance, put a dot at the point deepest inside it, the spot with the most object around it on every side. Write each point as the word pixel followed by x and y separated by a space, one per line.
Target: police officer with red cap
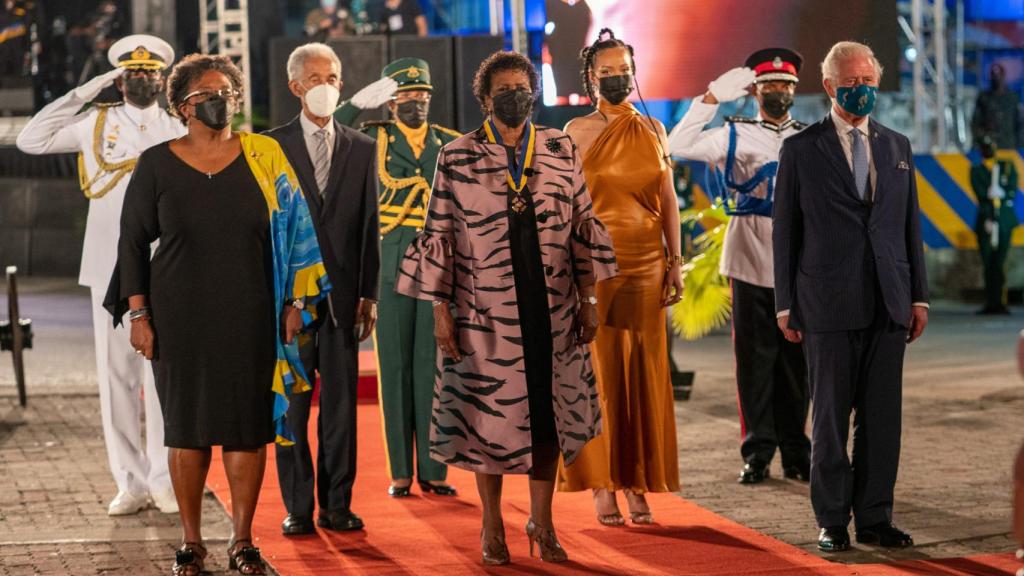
pixel 770 372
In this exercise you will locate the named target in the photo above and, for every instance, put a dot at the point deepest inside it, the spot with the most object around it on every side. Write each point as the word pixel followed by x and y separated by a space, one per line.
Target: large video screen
pixel 681 45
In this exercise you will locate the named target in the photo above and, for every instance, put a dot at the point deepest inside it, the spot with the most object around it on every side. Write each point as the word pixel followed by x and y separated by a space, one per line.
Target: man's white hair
pixel 297 59
pixel 843 51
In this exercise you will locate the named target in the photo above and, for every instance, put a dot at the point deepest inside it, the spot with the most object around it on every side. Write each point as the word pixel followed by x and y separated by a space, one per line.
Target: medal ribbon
pixel 517 177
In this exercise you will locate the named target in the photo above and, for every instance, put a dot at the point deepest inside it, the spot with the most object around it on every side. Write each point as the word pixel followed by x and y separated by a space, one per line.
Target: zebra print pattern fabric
pixel 481 419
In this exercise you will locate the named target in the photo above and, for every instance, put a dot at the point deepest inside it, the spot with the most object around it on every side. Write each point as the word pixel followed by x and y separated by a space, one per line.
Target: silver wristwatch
pixel 592 300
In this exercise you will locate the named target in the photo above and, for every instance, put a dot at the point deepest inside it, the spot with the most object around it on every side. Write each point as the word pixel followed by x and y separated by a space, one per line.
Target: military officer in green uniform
pixel 995 186
pixel 407 148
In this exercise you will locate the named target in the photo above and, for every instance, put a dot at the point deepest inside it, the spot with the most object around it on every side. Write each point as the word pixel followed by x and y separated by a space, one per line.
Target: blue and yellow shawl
pixel 298 267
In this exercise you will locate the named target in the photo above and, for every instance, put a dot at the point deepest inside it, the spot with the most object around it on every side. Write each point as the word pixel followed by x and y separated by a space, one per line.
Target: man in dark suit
pixel 850 284
pixel 337 172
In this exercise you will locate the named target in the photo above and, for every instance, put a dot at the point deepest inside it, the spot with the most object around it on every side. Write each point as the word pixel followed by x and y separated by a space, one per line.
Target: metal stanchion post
pixel 16 334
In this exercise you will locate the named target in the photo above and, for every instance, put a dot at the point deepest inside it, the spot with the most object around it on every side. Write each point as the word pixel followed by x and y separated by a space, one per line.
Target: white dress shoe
pixel 165 501
pixel 126 503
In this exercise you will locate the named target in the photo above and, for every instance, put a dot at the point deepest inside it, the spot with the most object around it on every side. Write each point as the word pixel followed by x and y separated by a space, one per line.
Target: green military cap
pixel 410 73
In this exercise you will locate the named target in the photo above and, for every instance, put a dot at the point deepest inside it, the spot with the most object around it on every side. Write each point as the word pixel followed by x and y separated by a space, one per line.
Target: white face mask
pixel 322 100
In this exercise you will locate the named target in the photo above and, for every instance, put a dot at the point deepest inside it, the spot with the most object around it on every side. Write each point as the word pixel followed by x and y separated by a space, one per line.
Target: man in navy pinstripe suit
pixel 850 283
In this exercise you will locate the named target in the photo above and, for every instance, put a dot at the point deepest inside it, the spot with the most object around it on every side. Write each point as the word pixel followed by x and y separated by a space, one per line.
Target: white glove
pixel 375 94
pixel 732 85
pixel 91 89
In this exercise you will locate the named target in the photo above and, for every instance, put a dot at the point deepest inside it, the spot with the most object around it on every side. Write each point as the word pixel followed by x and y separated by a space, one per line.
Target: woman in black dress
pixel 206 308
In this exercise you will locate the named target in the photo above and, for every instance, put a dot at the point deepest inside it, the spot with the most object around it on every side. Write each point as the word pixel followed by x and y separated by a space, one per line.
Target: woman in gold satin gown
pixel 629 179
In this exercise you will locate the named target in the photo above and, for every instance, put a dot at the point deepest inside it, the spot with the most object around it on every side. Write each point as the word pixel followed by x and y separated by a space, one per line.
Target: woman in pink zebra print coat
pixel 510 254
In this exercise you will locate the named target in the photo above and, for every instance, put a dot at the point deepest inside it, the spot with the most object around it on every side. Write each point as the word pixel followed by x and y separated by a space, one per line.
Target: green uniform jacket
pixel 399 171
pixel 981 179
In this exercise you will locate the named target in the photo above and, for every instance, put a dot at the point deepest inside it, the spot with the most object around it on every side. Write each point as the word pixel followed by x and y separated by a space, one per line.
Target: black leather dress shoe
pixel 297 526
pixel 884 534
pixel 398 491
pixel 344 521
pixel 438 489
pixel 801 472
pixel 834 539
pixel 753 473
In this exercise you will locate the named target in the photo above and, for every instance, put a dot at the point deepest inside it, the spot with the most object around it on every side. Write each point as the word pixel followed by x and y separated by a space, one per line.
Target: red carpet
pixel 433 535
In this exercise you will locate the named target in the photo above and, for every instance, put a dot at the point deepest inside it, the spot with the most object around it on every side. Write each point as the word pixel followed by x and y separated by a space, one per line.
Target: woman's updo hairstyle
pixel 588 53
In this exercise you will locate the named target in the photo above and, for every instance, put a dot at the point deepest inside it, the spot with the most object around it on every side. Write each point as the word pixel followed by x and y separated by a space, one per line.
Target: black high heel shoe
pixel 440 490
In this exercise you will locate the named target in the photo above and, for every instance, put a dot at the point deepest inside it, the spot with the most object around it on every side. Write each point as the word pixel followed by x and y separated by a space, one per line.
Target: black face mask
pixel 412 113
pixel 513 107
pixel 141 91
pixel 214 113
pixel 615 89
pixel 777 104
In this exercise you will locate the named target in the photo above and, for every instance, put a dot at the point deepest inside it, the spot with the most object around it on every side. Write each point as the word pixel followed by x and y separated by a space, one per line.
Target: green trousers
pixel 406 356
pixel 993 261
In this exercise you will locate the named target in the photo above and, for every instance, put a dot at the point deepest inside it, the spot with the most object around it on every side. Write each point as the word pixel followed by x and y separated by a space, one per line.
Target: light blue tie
pixel 860 162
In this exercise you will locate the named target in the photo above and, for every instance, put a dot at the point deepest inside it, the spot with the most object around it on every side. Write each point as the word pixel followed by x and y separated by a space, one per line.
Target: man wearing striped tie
pixel 337 172
pixel 850 283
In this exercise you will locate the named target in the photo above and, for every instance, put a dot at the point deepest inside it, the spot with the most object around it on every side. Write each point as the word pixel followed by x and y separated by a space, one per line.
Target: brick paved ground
pixel 53 465
pixel 963 410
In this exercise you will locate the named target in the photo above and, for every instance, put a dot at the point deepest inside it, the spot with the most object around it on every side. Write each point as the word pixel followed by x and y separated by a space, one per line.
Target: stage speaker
pixel 469 52
pixel 437 52
pixel 283 104
pixel 362 59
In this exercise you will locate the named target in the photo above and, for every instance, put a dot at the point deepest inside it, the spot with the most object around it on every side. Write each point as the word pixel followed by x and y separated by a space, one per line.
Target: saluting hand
pixel 93 87
pixel 730 86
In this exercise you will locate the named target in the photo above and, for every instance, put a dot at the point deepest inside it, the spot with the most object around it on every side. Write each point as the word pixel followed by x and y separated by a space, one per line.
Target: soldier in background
pixel 109 139
pixel 997 112
pixel 994 182
pixel 770 372
pixel 407 148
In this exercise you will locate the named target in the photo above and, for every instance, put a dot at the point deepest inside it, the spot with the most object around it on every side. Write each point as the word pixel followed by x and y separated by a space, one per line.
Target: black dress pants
pixel 859 371
pixel 334 354
pixel 771 380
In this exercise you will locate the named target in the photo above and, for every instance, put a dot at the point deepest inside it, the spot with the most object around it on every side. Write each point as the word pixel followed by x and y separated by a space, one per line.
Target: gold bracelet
pixel 676 259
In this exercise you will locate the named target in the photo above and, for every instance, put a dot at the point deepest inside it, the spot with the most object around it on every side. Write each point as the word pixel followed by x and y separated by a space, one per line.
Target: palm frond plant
pixel 707 300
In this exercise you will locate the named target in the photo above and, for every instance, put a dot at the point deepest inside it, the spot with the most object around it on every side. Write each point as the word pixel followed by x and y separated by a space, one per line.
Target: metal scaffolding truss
pixel 938 74
pixel 224 30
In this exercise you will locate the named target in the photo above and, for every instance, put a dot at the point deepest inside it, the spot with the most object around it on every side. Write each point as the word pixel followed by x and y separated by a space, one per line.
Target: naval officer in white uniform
pixel 770 372
pixel 109 139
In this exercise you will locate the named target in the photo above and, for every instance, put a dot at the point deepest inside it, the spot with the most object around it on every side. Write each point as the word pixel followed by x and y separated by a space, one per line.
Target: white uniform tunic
pixel 747 254
pixel 127 131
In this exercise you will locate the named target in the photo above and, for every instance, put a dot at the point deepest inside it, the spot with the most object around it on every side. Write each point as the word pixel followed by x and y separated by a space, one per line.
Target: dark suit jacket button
pixel 549 270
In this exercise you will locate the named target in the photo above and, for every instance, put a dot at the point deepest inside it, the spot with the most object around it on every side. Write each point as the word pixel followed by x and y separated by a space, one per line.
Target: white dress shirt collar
pixel 309 128
pixel 843 127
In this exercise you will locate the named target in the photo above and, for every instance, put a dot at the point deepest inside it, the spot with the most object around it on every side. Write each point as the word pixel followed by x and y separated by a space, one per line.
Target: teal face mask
pixel 858 100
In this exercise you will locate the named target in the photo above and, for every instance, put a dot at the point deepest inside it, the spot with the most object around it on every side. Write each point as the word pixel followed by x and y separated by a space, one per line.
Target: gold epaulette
pixel 447 131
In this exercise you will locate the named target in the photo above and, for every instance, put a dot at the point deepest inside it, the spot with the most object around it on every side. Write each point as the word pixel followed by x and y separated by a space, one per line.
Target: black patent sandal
pixel 245 558
pixel 188 560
